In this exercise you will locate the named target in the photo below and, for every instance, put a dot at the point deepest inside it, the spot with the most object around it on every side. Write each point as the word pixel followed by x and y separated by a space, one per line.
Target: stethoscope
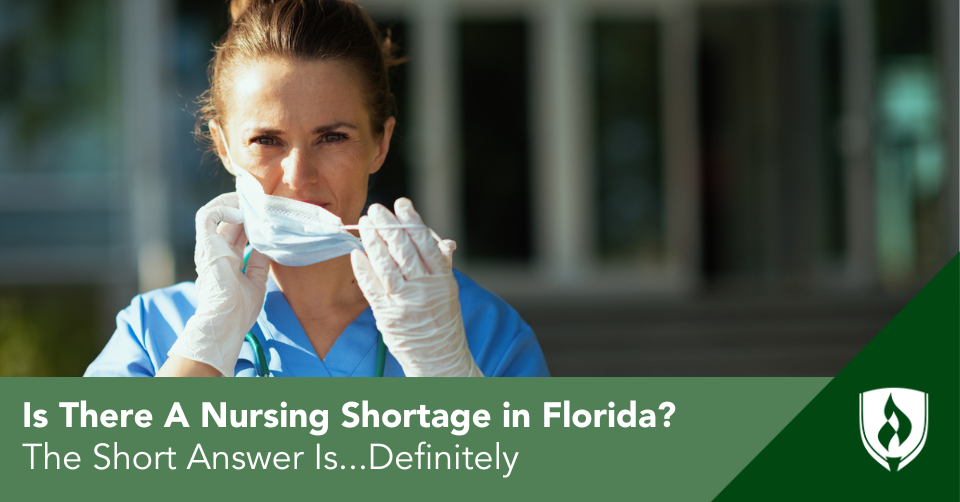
pixel 260 356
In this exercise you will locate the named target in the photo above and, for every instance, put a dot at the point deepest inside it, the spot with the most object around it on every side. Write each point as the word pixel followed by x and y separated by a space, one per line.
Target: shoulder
pixel 480 306
pixel 170 306
pixel 146 330
pixel 501 342
pixel 179 297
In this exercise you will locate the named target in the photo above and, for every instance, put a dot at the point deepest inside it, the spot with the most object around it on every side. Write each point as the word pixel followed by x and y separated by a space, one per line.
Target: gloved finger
pixel 379 255
pixel 447 247
pixel 212 247
pixel 421 237
pixel 402 249
pixel 258 266
pixel 241 241
pixel 367 279
pixel 210 215
pixel 231 232
pixel 230 199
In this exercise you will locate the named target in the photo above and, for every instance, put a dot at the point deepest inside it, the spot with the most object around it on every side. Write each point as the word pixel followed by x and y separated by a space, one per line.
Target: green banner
pixel 716 427
pixel 887 427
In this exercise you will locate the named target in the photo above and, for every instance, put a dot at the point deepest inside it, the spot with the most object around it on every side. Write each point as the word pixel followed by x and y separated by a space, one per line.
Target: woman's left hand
pixel 407 277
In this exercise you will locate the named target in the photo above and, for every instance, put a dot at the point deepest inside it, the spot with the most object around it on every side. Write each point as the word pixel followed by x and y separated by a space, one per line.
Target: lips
pixel 323 204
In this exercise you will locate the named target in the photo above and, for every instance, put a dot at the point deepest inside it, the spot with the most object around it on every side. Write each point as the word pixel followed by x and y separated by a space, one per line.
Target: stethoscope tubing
pixel 263 369
pixel 260 356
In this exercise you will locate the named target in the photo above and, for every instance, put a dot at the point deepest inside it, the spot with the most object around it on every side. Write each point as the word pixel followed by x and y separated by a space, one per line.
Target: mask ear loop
pixel 226 148
pixel 402 225
pixel 386 227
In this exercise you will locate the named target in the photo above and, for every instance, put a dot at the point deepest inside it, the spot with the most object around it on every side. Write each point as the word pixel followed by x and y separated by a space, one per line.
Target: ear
pixel 383 144
pixel 218 144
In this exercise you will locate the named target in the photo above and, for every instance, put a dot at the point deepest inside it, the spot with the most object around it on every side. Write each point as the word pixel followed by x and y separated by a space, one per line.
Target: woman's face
pixel 302 130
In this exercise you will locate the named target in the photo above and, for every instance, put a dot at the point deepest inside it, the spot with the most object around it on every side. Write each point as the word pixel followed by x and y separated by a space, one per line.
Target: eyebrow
pixel 334 125
pixel 268 131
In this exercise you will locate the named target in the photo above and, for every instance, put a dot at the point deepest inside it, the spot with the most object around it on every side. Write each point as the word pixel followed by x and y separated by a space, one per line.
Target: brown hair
pixel 302 30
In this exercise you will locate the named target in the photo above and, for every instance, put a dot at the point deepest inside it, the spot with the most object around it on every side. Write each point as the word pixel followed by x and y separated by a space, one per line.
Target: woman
pixel 298 111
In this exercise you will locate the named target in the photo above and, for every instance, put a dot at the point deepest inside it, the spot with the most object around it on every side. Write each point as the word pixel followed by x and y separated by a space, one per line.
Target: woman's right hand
pixel 228 300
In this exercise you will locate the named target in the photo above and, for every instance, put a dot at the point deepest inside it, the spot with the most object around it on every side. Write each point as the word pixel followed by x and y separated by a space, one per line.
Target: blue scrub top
pixel 501 343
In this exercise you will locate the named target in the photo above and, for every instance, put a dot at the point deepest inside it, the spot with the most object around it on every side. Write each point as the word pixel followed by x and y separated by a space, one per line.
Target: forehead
pixel 294 94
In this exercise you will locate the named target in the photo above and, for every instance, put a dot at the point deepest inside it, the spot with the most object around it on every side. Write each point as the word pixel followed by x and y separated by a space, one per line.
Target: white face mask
pixel 288 231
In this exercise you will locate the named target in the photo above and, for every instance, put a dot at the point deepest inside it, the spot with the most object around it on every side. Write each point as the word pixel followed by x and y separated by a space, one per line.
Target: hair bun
pixel 237 8
pixel 388 49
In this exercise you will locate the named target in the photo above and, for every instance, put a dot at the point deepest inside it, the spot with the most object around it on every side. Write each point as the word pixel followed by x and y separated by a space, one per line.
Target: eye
pixel 333 137
pixel 265 140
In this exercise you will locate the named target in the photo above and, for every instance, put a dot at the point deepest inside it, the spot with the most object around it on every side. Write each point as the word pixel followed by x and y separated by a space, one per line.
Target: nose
pixel 299 170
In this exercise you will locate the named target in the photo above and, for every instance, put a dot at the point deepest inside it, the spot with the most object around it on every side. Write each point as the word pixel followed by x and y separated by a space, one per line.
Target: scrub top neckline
pixel 279 322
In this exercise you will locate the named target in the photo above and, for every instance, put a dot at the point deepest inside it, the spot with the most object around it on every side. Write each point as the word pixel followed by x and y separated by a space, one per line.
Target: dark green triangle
pixel 820 456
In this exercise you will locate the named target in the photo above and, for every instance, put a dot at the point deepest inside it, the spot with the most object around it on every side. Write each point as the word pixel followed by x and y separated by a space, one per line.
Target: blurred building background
pixel 660 187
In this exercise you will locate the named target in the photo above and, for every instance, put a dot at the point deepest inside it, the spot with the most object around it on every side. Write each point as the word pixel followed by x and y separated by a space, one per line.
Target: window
pixel 58 138
pixel 910 154
pixel 773 193
pixel 629 168
pixel 55 87
pixel 495 140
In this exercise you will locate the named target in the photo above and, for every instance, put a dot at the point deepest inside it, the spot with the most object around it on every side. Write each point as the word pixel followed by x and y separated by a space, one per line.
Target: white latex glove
pixel 228 300
pixel 407 277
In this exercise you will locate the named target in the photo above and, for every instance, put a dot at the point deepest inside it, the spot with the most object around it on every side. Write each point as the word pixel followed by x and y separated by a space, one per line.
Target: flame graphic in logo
pixel 900 429
pixel 894 425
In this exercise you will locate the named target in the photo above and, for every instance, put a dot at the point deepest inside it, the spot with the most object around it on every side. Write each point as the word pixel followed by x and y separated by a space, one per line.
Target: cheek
pixel 350 167
pixel 351 180
pixel 270 178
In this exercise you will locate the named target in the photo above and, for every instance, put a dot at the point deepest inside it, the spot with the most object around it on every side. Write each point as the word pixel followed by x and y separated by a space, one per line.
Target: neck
pixel 325 286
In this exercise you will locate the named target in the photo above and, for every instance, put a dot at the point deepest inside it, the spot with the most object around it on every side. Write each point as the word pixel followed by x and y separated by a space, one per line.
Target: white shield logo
pixel 893 425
